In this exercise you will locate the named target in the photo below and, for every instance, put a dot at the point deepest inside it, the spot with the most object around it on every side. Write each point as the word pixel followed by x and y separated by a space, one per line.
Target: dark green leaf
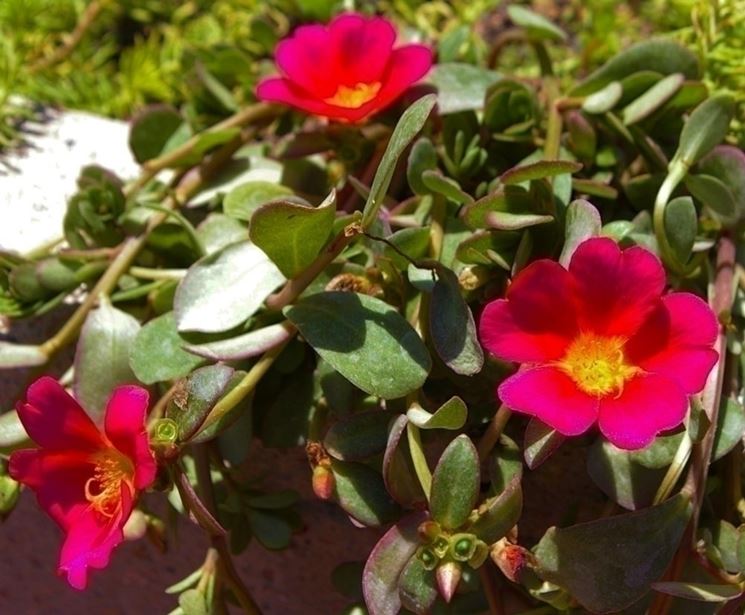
pixel 506 464
pixel 452 326
pixel 730 428
pixel 413 242
pixel 102 357
pixel 713 193
pixel 660 453
pixel 506 221
pixel 498 514
pixel 352 332
pixel 460 86
pixel 292 235
pixel 411 122
pixel 436 182
pixel 604 99
pixel 627 553
pixel 703 592
pixel 582 222
pixel 455 483
pixel 663 56
pixel 157 354
pixel 538 27
pixel 271 530
pixel 706 127
pixel 727 164
pixel 417 587
pixel 681 224
pixel 489 248
pixel 361 492
pixel 398 469
pixel 451 415
pixel 224 289
pixel 386 563
pixel 541 441
pixel 423 157
pixel 243 200
pixel 151 130
pixel 359 436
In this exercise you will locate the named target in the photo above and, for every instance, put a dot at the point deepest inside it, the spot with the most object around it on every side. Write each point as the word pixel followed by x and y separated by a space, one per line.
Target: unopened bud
pixel 513 560
pixel 462 547
pixel 350 283
pixel 428 531
pixel 448 576
pixel 323 482
pixel 428 558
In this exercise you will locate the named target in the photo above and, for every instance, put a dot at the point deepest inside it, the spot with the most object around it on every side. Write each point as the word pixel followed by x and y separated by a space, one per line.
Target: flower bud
pixel 323 482
pixel 462 547
pixel 513 560
pixel 428 531
pixel 448 576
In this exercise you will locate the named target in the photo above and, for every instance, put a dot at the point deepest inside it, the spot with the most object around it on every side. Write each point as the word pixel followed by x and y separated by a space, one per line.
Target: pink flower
pixel 347 70
pixel 85 479
pixel 600 342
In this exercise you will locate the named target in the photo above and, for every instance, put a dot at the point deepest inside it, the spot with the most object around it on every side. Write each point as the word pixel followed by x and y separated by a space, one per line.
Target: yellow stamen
pixel 354 97
pixel 597 364
pixel 103 489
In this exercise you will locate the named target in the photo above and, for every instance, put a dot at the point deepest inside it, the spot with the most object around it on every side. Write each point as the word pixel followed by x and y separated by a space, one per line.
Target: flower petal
pixel 616 290
pixel 362 48
pixel 125 427
pixel 90 541
pixel 548 394
pixel 54 420
pixel 305 57
pixel 278 89
pixel 537 320
pixel 648 405
pixel 58 478
pixel 677 341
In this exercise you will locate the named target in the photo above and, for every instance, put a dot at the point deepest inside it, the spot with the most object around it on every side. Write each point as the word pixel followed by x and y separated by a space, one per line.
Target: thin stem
pixel 419 459
pixel 204 479
pixel 245 386
pixel 675 470
pixel 437 225
pixel 146 273
pixel 494 431
pixel 197 506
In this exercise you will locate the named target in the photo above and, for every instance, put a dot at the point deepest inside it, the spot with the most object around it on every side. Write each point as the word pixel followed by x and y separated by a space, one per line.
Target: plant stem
pixel 674 471
pixel 204 479
pixel 245 386
pixel 146 273
pixel 494 431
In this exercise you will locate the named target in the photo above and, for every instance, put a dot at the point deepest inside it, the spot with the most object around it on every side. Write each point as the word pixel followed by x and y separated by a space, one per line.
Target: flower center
pixel 354 97
pixel 103 489
pixel 597 364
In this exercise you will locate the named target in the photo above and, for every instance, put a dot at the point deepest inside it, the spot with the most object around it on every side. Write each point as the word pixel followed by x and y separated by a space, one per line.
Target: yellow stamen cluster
pixel 103 489
pixel 597 364
pixel 354 97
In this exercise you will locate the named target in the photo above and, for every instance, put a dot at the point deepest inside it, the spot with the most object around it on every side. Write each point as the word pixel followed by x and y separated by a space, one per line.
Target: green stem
pixel 675 470
pixel 245 386
pixel 418 458
pixel 494 431
pixel 146 273
pixel 187 226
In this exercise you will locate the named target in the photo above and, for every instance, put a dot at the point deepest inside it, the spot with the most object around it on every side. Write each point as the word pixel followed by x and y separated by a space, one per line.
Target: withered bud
pixel 350 283
pixel 473 277
pixel 513 560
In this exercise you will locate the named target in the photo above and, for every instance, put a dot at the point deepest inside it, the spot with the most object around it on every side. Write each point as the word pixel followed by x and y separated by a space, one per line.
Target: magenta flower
pixel 599 342
pixel 347 70
pixel 85 479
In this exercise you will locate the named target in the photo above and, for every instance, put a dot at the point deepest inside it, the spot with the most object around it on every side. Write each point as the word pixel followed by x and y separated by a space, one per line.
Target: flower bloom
pixel 345 71
pixel 85 479
pixel 600 342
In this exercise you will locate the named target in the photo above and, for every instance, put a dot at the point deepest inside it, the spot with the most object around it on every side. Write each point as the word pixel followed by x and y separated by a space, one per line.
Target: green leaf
pixel 102 357
pixel 192 602
pixel 423 157
pixel 292 235
pixel 727 164
pixel 713 193
pixel 12 433
pixel 582 222
pixel 359 436
pixel 352 332
pixel 460 86
pixel 436 182
pixel 244 346
pixel 498 514
pixel 538 27
pixel 541 441
pixel 223 290
pixel 506 464
pixel 455 484
pixel 538 170
pixel 219 231
pixel 417 587
pixel 725 538
pixel 704 592
pixel 620 477
pixel 451 415
pixel 663 56
pixel 271 530
pixel 660 453
pixel 604 99
pixel 399 473
pixel 243 200
pixel 510 199
pixel 730 428
pixel 157 354
pixel 151 129
pixel 654 98
pixel 452 327
pixel 411 122
pixel 706 127
pixel 386 563
pixel 681 224
pixel 196 397
pixel 506 221
pixel 361 492
pixel 489 248
pixel 626 554
pixel 413 242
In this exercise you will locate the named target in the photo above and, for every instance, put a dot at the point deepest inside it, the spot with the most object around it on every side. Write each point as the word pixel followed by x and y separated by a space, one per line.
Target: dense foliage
pixel 274 275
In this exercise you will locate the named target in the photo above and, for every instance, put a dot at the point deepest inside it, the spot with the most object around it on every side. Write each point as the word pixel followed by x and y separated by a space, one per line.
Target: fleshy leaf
pixel 460 86
pixel 455 483
pixel 451 415
pixel 361 435
pixel 417 587
pixel 361 493
pixel 541 441
pixel 582 222
pixel 242 201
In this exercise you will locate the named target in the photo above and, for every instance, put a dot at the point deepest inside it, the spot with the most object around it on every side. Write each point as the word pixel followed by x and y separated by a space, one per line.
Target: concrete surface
pixel 33 186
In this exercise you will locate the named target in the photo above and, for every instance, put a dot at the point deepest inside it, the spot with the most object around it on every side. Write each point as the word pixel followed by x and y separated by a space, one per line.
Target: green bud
pixel 24 283
pixel 428 558
pixel 462 546
pixel 165 431
pixel 10 490
pixel 440 546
